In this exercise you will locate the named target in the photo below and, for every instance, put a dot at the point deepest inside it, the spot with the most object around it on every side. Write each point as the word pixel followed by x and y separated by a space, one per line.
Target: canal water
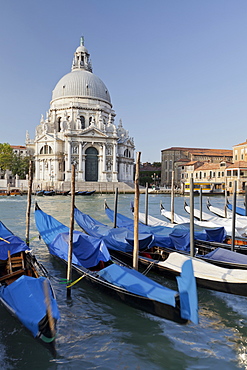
pixel 97 332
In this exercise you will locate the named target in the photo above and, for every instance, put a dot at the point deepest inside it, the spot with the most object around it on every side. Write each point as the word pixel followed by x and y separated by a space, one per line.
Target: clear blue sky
pixel 176 69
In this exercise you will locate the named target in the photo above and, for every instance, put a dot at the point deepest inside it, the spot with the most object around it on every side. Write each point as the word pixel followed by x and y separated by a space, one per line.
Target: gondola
pixel 62 192
pixel 222 213
pixel 168 263
pixel 200 216
pixel 178 240
pixel 85 192
pixel 25 290
pixel 49 193
pixel 240 242
pixel 92 260
pixel 215 221
pixel 39 193
pixel 239 210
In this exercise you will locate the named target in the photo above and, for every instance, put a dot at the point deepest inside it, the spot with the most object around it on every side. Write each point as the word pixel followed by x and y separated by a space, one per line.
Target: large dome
pixel 81 83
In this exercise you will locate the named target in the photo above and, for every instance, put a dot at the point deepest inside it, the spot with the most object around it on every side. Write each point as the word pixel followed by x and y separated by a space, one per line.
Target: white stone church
pixel 79 128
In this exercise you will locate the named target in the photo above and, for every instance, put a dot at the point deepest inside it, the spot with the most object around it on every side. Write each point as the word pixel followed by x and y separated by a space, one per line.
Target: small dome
pixel 81 49
pixel 81 83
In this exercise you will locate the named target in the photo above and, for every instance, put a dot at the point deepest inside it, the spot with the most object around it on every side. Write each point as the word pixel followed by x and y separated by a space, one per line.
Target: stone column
pixel 69 156
pixel 104 158
pixel 37 169
pixel 114 172
pixel 80 162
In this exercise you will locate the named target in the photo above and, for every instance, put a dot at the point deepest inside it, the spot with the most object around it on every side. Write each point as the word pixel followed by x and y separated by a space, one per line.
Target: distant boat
pixel 83 192
pixel 206 187
pixel 12 192
pixel 49 192
pixel 39 193
pixel 4 193
pixel 61 192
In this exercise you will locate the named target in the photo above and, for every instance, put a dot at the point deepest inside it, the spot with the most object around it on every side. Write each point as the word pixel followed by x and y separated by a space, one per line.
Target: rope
pixel 6 241
pixel 76 281
pixel 149 268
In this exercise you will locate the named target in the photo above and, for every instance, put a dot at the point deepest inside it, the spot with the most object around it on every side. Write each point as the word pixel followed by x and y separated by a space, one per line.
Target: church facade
pixel 80 129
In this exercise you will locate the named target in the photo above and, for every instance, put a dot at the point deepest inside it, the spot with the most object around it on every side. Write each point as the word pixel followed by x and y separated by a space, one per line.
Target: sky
pixel 175 69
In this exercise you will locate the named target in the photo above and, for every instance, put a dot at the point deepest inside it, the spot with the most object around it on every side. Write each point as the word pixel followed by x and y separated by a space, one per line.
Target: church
pixel 80 129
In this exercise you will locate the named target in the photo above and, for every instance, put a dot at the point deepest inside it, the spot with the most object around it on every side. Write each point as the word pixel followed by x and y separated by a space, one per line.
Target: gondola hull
pixel 142 303
pixel 159 268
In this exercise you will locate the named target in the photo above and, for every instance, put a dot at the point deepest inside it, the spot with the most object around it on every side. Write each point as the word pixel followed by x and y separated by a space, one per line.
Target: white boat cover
pixel 214 221
pixel 205 216
pixel 154 221
pixel 220 212
pixel 205 270
pixel 177 218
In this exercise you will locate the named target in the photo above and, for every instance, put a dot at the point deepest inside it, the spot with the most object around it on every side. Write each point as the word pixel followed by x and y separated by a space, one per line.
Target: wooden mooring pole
pixel 245 199
pixel 115 208
pixel 191 217
pixel 29 200
pixel 234 214
pixel 136 213
pixel 146 204
pixel 200 203
pixel 71 231
pixel 172 199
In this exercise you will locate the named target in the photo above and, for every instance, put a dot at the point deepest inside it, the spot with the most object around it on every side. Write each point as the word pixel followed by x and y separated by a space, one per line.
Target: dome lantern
pixel 81 58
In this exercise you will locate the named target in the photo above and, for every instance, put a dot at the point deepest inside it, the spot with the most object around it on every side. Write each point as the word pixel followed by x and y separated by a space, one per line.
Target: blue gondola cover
pixel 26 298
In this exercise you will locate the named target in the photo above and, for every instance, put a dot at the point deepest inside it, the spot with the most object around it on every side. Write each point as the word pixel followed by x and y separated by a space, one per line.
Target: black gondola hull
pixel 143 303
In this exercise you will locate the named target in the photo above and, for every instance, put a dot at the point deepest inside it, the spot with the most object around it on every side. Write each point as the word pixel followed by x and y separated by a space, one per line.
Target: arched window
pixel 127 153
pixel 90 120
pixel 82 119
pixel 46 149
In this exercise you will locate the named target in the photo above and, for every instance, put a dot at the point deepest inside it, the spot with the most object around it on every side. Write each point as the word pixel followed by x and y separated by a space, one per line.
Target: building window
pixel 82 119
pixel 59 124
pixel 46 149
pixel 228 173
pixel 235 172
pixel 127 153
pixel 218 174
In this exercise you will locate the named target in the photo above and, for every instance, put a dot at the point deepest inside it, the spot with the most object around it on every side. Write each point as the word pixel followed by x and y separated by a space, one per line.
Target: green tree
pixel 20 166
pixel 17 164
pixel 6 156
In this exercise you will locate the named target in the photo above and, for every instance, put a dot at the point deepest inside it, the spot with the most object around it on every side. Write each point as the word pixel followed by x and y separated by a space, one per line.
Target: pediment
pixel 92 132
pixel 47 138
